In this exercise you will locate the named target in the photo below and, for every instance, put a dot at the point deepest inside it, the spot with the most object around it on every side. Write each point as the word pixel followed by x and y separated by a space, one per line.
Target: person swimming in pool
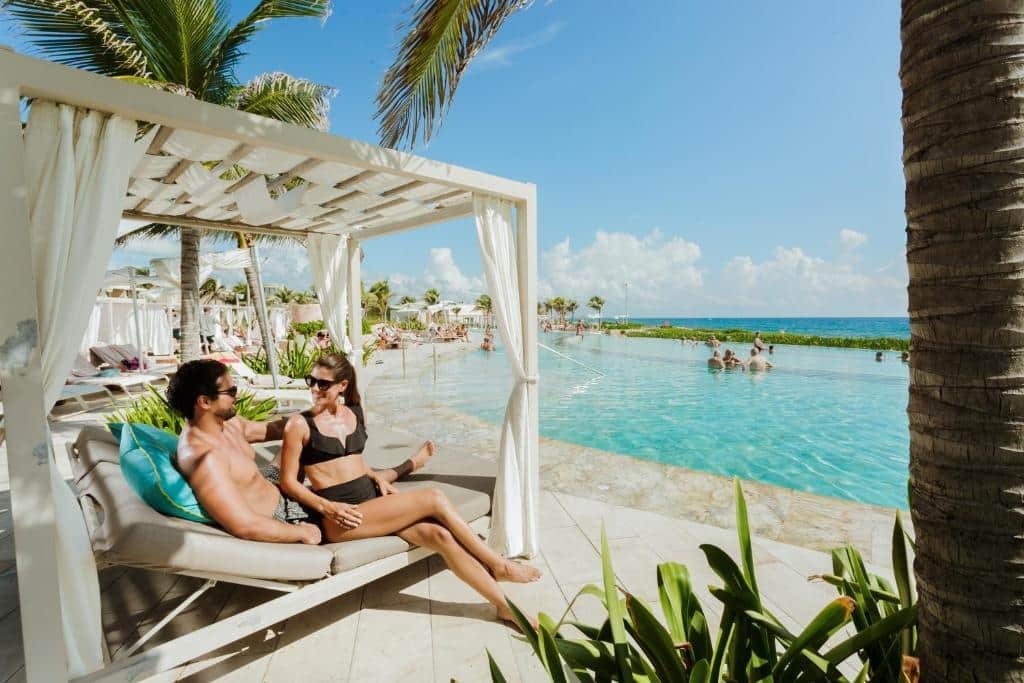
pixel 348 501
pixel 716 362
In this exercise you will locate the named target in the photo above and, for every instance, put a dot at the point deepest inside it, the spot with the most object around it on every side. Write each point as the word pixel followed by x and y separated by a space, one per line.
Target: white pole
pixel 29 448
pixel 526 267
pixel 355 303
pixel 138 319
pixel 627 303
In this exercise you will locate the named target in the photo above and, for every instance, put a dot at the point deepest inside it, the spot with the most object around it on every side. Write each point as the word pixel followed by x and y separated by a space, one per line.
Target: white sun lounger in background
pixel 125 531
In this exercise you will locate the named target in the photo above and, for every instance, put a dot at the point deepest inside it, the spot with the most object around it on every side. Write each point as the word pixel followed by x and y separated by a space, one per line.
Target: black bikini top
pixel 322 448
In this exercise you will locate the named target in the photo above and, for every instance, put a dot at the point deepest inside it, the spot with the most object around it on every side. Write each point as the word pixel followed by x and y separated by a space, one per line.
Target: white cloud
pixel 662 272
pixel 792 282
pixel 442 274
pixel 499 55
pixel 851 239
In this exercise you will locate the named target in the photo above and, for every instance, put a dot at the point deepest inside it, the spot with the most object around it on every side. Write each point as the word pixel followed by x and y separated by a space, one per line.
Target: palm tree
pixel 431 296
pixel 443 37
pixel 571 305
pixel 380 298
pixel 212 291
pixel 406 300
pixel 484 303
pixel 960 73
pixel 597 304
pixel 558 305
pixel 190 47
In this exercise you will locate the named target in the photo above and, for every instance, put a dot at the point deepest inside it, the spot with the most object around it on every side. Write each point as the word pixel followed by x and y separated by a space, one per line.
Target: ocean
pixel 889 326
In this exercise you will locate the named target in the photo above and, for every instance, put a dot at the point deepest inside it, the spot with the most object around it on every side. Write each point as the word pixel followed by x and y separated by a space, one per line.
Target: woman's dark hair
pixel 194 379
pixel 339 367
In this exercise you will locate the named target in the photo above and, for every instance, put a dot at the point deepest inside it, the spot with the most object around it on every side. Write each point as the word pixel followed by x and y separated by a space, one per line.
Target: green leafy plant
pixel 735 335
pixel 752 644
pixel 307 329
pixel 153 409
pixel 296 361
pixel 369 348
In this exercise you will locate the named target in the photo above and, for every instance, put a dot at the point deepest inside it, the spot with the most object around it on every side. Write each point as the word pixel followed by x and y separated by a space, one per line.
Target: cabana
pixel 96 150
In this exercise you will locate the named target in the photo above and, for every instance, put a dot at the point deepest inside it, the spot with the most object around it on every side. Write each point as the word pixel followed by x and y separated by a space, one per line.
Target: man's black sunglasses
pixel 321 384
pixel 230 391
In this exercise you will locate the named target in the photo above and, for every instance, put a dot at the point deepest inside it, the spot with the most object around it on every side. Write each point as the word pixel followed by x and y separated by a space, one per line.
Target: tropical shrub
pixel 153 409
pixel 734 335
pixel 752 644
pixel 296 361
pixel 309 329
pixel 412 324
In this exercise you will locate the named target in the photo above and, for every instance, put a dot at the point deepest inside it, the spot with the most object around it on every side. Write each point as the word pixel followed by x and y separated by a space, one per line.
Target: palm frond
pixel 152 231
pixel 443 37
pixel 85 34
pixel 223 237
pixel 230 51
pixel 180 39
pixel 285 98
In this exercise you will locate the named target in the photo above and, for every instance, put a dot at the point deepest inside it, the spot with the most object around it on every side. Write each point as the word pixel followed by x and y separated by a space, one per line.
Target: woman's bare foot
pixel 515 572
pixel 423 455
pixel 505 616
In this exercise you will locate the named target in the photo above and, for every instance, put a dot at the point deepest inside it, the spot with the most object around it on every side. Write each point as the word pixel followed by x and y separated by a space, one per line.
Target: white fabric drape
pixel 328 260
pixel 113 322
pixel 514 520
pixel 77 165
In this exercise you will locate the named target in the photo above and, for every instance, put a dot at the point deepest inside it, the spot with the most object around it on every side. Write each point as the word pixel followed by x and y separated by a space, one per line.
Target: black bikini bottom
pixel 359 490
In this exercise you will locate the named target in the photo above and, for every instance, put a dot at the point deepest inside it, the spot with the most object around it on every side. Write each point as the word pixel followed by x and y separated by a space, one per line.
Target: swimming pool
pixel 828 421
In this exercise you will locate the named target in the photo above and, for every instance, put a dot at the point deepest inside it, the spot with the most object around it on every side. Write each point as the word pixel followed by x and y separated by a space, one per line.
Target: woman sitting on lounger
pixel 348 500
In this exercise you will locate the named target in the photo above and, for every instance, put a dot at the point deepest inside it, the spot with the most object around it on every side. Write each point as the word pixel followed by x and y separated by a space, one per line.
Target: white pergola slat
pixel 210 168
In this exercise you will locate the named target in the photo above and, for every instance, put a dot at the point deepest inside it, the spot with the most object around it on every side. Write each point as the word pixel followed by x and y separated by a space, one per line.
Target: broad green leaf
pixel 904 581
pixel 872 634
pixel 550 658
pixel 615 612
pixel 682 609
pixel 655 641
pixel 526 627
pixel 496 675
pixel 592 655
pixel 828 621
pixel 746 547
pixel 701 672
pixel 725 632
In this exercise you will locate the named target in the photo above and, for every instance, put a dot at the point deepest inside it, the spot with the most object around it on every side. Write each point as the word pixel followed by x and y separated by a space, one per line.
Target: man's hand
pixel 345 515
pixel 311 533
pixel 384 487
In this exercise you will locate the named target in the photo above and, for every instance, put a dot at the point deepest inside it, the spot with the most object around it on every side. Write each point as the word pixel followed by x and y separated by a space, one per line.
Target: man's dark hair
pixel 194 379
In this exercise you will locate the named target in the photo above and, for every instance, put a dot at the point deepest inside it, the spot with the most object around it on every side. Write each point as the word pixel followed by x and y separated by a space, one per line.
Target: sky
pixel 724 159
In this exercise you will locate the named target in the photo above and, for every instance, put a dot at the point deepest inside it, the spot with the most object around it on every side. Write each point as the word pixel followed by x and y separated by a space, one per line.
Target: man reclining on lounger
pixel 350 501
pixel 215 456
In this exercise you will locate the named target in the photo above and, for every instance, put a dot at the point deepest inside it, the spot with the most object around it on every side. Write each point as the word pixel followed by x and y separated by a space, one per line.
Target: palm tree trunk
pixel 257 299
pixel 189 294
pixel 963 98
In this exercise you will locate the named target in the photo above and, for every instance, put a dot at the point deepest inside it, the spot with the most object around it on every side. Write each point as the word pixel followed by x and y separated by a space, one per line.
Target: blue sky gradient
pixel 724 158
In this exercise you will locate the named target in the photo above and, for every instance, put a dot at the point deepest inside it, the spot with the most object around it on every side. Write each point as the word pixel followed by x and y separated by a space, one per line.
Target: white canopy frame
pixel 352 189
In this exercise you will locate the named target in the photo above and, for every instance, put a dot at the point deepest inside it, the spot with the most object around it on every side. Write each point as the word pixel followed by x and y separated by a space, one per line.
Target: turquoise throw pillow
pixel 147 462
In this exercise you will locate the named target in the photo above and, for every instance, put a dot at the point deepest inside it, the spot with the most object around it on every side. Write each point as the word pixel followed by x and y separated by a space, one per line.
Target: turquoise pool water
pixel 828 421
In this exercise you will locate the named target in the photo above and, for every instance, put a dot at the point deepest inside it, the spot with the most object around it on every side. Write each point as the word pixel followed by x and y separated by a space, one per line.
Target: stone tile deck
pixel 423 624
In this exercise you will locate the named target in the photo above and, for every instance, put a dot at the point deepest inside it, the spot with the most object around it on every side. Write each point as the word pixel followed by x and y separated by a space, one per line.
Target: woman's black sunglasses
pixel 321 384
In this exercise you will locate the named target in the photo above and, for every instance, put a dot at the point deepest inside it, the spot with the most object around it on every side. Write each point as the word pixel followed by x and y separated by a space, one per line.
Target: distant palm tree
pixel 286 295
pixel 212 291
pixel 241 290
pixel 484 303
pixel 406 300
pixel 571 305
pixel 596 303
pixel 380 298
pixel 432 296
pixel 188 47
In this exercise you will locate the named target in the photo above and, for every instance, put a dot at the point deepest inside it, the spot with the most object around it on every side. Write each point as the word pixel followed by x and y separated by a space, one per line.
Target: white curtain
pixel 328 260
pixel 514 520
pixel 77 165
pixel 113 322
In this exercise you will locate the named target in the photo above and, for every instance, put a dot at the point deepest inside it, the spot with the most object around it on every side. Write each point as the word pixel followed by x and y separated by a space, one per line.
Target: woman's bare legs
pixel 390 514
pixel 437 538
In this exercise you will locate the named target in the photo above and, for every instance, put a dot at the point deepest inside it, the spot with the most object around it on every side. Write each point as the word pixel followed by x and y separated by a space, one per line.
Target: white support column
pixel 526 265
pixel 355 301
pixel 29 449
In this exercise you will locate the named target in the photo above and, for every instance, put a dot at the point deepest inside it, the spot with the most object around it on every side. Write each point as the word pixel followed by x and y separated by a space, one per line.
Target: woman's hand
pixel 384 487
pixel 344 515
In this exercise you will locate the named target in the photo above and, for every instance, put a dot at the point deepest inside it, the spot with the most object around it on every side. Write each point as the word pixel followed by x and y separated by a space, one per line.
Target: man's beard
pixel 227 413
